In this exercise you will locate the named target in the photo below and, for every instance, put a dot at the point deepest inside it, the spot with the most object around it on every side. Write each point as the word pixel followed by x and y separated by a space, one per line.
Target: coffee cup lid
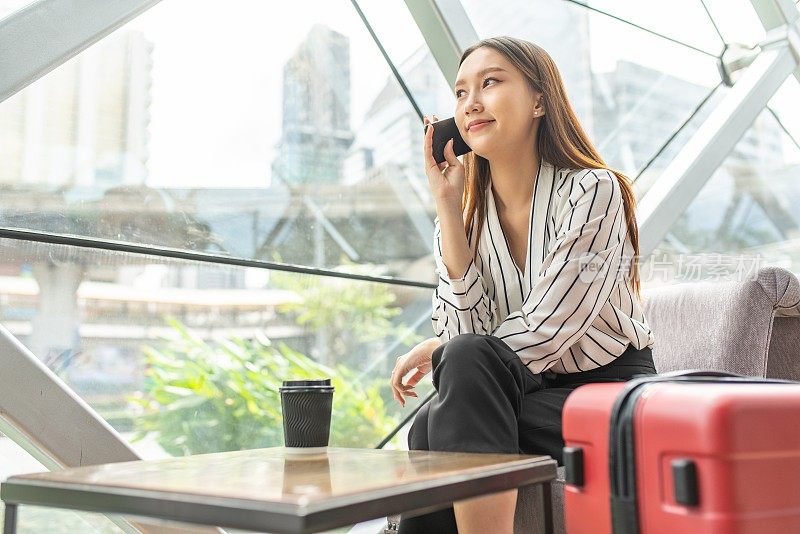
pixel 306 383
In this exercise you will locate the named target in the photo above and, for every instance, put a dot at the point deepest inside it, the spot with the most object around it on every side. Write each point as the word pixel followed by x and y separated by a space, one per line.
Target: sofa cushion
pixel 724 326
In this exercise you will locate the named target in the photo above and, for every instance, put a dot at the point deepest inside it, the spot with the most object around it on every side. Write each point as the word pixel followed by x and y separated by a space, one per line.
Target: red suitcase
pixel 683 453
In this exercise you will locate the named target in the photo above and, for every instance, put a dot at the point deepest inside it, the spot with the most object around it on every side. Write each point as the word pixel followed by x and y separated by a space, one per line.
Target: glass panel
pixel 683 20
pixel 398 33
pixel 189 356
pixel 630 89
pixel 285 136
pixel 784 104
pixel 15 461
pixel 742 219
pixel 737 20
pixel 665 154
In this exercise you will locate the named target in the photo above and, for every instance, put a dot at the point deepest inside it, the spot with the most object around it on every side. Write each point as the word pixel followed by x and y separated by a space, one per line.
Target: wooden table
pixel 278 491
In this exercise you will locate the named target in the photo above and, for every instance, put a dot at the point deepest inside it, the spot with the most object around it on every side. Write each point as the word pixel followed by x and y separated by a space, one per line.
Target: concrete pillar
pixel 54 329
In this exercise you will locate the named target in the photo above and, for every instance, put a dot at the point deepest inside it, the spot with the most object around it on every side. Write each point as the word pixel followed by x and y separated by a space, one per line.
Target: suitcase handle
pixel 684 481
pixel 699 375
pixel 694 373
pixel 573 466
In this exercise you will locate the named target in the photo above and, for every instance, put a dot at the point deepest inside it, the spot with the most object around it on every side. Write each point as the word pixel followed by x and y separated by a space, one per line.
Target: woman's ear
pixel 538 109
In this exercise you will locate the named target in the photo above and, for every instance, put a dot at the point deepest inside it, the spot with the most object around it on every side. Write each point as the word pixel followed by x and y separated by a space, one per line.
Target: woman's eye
pixel 458 93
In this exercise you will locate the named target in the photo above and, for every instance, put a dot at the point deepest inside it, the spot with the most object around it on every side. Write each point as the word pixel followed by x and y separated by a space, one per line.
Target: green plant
pixel 351 317
pixel 208 396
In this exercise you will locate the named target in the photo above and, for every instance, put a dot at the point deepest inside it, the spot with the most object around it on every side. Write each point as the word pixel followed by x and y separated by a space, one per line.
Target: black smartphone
pixel 443 131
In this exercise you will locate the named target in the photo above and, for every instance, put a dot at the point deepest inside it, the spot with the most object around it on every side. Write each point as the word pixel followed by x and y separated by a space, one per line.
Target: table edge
pixel 283 517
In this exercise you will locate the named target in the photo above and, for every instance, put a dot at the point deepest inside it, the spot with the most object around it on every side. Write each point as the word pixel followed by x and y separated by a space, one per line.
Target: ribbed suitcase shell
pixel 744 439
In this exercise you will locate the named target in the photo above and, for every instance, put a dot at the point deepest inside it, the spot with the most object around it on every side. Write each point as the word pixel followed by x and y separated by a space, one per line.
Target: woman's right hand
pixel 446 179
pixel 418 358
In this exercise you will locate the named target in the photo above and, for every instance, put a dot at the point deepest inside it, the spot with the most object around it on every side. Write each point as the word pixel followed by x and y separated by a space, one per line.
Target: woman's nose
pixel 472 104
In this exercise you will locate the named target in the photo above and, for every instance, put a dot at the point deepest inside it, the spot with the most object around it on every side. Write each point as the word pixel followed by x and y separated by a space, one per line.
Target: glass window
pixel 742 219
pixel 684 20
pixel 737 21
pixel 648 174
pixel 285 137
pixel 631 89
pixel 784 105
pixel 174 352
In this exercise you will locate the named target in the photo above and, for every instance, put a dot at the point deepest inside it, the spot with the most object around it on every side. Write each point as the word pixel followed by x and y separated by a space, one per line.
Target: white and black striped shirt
pixel 572 308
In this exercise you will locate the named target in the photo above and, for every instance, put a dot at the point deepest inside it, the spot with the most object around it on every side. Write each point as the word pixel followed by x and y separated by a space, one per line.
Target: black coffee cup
pixel 306 407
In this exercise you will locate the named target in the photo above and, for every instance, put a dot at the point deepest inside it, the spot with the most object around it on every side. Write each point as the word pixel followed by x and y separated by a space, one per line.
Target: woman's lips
pixel 479 126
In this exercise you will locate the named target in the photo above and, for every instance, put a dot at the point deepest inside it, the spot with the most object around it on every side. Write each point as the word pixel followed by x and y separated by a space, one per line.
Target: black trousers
pixel 488 401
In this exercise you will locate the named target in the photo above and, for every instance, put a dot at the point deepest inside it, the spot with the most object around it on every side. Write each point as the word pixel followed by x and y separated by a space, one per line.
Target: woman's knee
pixel 462 353
pixel 418 433
pixel 470 361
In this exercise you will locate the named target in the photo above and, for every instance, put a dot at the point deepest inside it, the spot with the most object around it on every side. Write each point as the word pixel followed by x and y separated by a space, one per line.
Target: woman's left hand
pixel 418 358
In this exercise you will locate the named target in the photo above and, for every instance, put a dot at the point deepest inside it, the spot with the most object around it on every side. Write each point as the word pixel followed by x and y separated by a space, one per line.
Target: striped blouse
pixel 572 308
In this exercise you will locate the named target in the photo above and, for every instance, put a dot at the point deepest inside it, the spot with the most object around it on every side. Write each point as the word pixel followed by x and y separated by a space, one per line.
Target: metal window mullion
pixel 775 13
pixel 398 77
pixel 781 19
pixel 49 421
pixel 92 243
pixel 447 30
pixel 46 410
pixel 40 37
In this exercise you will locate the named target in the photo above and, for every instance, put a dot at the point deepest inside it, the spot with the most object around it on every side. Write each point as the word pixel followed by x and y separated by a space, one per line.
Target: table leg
pixel 547 507
pixel 10 523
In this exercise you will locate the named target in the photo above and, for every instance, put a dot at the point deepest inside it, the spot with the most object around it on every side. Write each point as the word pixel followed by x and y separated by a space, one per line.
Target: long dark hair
pixel 561 139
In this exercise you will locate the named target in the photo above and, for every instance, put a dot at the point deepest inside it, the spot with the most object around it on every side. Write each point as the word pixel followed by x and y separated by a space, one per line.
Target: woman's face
pixel 501 97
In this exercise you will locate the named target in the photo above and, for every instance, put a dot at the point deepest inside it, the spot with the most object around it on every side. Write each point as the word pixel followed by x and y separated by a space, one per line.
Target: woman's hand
pixel 418 358
pixel 446 179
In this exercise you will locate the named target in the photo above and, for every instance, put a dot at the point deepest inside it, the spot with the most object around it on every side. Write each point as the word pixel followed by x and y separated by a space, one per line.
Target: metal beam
pixel 781 19
pixel 43 35
pixel 48 420
pixel 47 412
pixel 713 141
pixel 775 13
pixel 447 30
pixel 710 145
pixel 41 414
pixel 323 222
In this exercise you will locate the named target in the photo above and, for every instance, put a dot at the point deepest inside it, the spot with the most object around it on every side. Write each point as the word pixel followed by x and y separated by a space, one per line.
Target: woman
pixel 535 247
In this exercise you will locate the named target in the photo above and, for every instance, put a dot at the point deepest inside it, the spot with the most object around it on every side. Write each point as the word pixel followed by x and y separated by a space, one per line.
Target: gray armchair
pixel 749 327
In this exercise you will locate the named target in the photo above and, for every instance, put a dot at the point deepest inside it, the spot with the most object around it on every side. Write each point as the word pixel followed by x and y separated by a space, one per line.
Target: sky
pixel 217 75
pixel 217 68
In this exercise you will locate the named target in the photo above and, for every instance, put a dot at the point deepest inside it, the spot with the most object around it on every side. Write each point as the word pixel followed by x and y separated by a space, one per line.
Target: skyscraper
pixel 316 110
